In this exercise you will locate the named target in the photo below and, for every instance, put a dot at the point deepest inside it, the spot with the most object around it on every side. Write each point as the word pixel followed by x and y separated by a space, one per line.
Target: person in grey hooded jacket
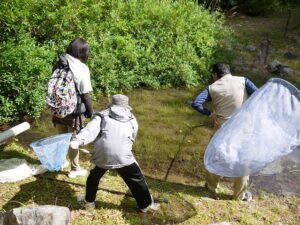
pixel 114 131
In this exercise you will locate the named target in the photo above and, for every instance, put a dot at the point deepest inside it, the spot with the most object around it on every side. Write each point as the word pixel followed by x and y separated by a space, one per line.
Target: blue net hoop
pixel 52 151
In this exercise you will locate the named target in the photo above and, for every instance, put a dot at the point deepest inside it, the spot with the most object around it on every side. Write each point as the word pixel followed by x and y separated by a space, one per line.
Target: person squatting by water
pixel 227 94
pixel 76 55
pixel 113 132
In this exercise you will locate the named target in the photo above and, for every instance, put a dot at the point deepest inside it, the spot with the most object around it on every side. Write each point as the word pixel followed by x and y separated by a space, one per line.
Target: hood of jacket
pixel 120 113
pixel 81 74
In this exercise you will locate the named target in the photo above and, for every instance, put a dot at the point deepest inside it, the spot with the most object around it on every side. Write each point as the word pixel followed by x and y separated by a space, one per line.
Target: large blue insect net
pixel 52 151
pixel 264 129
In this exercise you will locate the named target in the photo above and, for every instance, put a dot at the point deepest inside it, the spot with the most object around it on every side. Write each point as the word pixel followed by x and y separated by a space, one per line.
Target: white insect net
pixel 264 129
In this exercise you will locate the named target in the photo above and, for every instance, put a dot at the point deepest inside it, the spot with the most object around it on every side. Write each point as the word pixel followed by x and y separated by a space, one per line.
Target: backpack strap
pixel 102 118
pixel 101 123
pixel 131 123
pixel 63 64
pixel 98 114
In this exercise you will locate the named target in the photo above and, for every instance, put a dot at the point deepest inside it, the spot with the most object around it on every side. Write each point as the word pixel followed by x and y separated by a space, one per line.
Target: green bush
pixel 24 69
pixel 134 43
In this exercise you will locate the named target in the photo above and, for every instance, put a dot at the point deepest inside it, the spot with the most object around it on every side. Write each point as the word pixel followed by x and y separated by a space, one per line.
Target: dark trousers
pixel 133 177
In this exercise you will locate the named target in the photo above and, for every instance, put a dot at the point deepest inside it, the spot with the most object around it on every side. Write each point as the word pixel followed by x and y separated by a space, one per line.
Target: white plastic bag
pixel 265 128
pixel 14 169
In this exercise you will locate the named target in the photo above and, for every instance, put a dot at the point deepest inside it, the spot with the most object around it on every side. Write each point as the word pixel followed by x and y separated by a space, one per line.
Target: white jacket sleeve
pixel 135 128
pixel 89 133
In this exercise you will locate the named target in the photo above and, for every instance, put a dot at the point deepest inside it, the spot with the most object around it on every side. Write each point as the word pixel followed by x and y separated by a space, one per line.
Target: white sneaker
pixel 77 172
pixel 87 205
pixel 152 207
pixel 247 196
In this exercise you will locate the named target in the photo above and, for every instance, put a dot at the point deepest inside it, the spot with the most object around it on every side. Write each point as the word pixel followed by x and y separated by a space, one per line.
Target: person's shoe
pixel 87 205
pixel 206 186
pixel 77 172
pixel 65 165
pixel 247 196
pixel 152 207
pixel 212 193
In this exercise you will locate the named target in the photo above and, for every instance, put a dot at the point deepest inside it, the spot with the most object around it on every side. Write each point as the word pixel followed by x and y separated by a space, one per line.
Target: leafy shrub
pixel 134 43
pixel 24 69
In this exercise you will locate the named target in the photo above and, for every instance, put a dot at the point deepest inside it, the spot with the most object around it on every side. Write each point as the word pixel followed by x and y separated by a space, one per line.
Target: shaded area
pixel 281 177
pixel 177 211
pixel 35 192
pixel 178 208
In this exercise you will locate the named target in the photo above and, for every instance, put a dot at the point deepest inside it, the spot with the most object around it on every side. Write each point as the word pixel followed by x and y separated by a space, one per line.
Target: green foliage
pixel 24 69
pixel 134 43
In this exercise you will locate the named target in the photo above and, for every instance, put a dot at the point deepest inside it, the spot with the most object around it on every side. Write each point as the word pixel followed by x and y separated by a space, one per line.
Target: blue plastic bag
pixel 52 151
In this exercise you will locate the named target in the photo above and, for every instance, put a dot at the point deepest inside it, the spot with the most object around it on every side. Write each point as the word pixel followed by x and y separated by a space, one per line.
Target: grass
pixel 252 30
pixel 189 204
pixel 164 118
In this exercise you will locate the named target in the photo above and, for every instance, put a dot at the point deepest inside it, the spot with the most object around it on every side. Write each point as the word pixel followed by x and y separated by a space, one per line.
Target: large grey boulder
pixel 294 38
pixel 278 68
pixel 250 48
pixel 40 215
pixel 291 55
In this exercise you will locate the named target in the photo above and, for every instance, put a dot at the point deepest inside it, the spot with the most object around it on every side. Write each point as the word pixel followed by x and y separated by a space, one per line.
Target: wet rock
pixel 274 66
pixel 251 48
pixel 272 168
pixel 290 55
pixel 294 38
pixel 40 215
pixel 285 70
pixel 278 68
pixel 283 181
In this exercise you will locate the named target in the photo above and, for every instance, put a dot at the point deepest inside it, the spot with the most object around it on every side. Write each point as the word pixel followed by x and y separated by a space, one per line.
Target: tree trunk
pixel 264 51
pixel 287 22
